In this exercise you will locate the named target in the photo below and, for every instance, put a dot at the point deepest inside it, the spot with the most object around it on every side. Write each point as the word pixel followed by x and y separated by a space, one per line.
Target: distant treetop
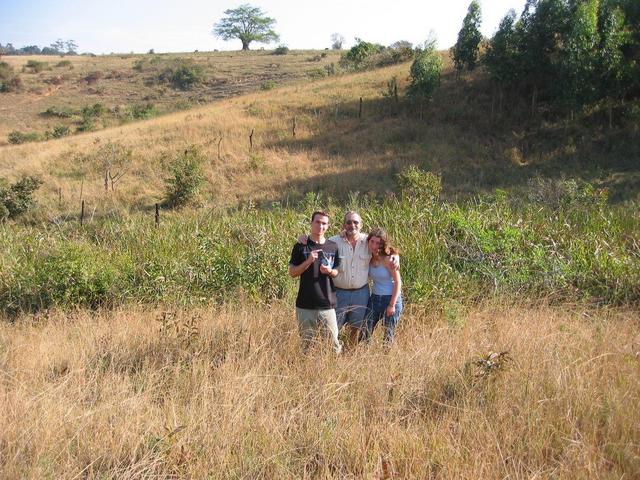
pixel 247 24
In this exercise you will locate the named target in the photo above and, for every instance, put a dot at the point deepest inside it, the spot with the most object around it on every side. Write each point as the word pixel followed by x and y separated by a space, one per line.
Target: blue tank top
pixel 382 280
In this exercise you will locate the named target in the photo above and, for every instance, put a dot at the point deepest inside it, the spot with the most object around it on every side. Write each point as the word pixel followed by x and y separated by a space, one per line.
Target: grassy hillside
pixel 334 149
pixel 56 89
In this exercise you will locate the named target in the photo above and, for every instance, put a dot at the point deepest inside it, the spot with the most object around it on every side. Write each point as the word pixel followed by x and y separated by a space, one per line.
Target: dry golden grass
pixel 277 163
pixel 120 84
pixel 225 393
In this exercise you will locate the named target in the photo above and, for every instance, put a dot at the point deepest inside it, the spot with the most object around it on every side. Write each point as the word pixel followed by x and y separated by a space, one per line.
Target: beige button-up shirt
pixel 353 271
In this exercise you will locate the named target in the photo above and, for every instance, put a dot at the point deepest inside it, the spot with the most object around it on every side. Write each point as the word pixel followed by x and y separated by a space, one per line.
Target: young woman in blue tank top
pixel 385 302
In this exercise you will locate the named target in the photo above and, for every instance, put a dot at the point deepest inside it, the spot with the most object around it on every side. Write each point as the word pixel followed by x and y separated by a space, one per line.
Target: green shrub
pixel 357 54
pixel 60 112
pixel 425 73
pixel 143 111
pixel 60 131
pixel 17 198
pixel 182 75
pixel 64 63
pixel 268 85
pixel 419 185
pixel 186 178
pixel 281 50
pixel 17 137
pixel 317 73
pixel 35 66
pixel 9 81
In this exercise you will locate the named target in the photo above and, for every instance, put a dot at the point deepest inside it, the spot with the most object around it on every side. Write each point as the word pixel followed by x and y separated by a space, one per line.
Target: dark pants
pixel 376 311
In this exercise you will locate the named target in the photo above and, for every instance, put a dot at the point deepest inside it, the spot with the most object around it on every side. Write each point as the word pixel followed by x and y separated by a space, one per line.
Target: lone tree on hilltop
pixel 248 24
pixel 465 51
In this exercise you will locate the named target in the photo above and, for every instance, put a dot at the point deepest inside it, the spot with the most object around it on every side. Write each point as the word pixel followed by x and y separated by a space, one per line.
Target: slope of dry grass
pixel 225 393
pixel 125 80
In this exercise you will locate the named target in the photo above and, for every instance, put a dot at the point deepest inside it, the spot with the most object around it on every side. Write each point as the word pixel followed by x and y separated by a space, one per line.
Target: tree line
pixel 569 53
pixel 59 47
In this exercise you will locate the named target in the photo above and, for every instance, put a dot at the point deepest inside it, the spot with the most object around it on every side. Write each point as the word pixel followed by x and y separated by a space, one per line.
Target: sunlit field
pixel 223 392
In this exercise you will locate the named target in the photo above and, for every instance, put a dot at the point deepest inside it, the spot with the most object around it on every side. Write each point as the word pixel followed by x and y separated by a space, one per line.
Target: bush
pixel 185 179
pixel 17 137
pixel 268 85
pixel 361 51
pixel 281 50
pixel 17 198
pixel 59 131
pixel 419 185
pixel 9 81
pixel 60 112
pixel 425 73
pixel 183 75
pixel 34 66
pixel 143 111
pixel 64 63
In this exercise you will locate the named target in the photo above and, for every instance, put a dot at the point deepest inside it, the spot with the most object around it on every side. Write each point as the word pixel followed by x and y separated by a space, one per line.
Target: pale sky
pixel 105 26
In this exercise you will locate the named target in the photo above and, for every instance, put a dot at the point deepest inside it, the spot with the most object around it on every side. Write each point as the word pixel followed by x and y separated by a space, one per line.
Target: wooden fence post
pixel 360 110
pixel 251 140
pixel 157 215
pixel 293 129
pixel 219 142
pixel 82 213
pixel 395 92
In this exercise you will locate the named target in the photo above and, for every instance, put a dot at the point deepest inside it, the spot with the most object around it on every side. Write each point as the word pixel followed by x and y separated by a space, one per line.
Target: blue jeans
pixel 351 308
pixel 377 311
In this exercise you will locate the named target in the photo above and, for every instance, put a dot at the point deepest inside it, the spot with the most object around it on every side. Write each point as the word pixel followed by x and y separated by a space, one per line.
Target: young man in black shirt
pixel 316 264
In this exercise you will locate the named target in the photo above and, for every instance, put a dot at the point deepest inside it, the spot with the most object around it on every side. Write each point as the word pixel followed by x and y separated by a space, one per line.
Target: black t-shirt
pixel 316 290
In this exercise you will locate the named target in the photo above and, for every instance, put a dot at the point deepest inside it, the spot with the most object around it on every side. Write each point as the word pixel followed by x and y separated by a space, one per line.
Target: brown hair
pixel 319 212
pixel 385 247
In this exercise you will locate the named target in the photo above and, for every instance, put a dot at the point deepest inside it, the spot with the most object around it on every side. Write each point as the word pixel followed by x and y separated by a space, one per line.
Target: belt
pixel 352 289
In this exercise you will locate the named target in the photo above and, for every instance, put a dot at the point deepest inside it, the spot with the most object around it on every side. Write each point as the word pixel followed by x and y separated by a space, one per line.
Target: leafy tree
pixel 337 40
pixel 613 71
pixel 58 46
pixel 465 51
pixel 501 58
pixel 71 47
pixel 248 24
pixel 425 72
pixel 578 56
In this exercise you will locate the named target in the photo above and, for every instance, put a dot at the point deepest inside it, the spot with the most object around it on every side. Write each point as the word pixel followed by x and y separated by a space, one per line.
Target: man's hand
pixel 394 261
pixel 391 309
pixel 303 239
pixel 326 270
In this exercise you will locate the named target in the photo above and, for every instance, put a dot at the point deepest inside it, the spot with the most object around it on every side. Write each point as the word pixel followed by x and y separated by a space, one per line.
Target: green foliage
pixel 359 53
pixel 569 54
pixel 17 198
pixel 182 75
pixel 60 112
pixel 425 73
pixel 35 66
pixel 143 111
pixel 64 63
pixel 501 58
pixel 186 178
pixel 465 51
pixel 565 243
pixel 9 81
pixel 247 24
pixel 268 85
pixel 17 137
pixel 419 185
pixel 59 131
pixel 281 50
